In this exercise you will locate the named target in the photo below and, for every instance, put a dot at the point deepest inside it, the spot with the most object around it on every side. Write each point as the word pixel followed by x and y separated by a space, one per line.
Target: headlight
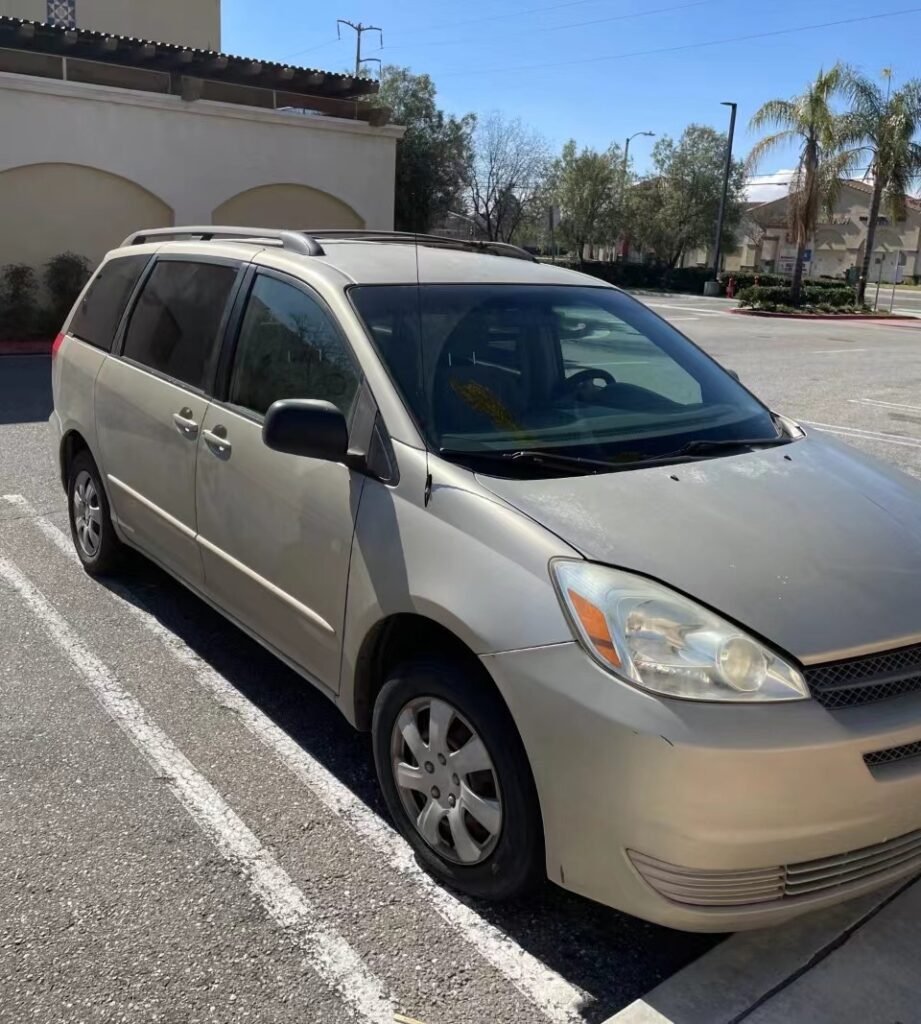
pixel 667 643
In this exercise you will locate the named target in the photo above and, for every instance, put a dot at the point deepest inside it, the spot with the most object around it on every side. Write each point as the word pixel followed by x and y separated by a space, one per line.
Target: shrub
pixel 649 275
pixel 64 276
pixel 747 280
pixel 18 305
pixel 811 298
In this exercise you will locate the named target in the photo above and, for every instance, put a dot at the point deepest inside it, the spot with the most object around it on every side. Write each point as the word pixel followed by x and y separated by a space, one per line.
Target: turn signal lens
pixel 58 342
pixel 596 628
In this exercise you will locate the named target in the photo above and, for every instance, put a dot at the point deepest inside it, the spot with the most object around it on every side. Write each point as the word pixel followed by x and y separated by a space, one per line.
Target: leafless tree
pixel 509 175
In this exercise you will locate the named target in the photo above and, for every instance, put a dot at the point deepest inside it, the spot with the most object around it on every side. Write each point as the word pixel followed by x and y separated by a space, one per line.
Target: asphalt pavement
pixel 189 833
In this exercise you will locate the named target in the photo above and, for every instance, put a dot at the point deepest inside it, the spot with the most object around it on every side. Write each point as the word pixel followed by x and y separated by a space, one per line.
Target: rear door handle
pixel 185 424
pixel 217 440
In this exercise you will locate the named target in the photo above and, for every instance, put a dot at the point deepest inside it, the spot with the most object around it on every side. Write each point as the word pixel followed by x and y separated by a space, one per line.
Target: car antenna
pixel 427 494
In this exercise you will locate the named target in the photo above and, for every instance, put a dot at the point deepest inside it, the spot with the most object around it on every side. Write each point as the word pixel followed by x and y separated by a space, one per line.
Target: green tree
pixel 675 209
pixel 810 122
pixel 586 184
pixel 433 157
pixel 882 125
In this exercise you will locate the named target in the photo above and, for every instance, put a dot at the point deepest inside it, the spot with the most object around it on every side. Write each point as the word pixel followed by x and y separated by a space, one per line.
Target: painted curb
pixel 725 983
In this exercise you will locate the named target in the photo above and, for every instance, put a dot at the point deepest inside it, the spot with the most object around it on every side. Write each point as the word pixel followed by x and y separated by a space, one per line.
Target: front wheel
pixel 456 779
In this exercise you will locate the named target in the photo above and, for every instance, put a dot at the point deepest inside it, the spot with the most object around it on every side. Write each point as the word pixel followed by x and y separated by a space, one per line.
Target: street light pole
pixel 726 171
pixel 623 173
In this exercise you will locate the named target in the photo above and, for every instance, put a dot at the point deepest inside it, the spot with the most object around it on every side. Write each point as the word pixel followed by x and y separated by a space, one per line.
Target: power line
pixel 310 49
pixel 508 14
pixel 680 47
pixel 559 28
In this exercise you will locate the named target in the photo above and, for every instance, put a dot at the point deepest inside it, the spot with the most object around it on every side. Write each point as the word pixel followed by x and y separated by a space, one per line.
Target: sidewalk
pixel 859 963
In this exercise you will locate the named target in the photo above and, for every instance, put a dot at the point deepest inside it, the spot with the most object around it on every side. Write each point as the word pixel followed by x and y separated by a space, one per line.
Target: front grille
pixel 765 885
pixel 847 684
pixel 880 757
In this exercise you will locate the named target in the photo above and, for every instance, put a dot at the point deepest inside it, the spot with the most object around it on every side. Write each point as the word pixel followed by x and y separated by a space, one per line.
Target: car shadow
pixel 613 957
pixel 25 389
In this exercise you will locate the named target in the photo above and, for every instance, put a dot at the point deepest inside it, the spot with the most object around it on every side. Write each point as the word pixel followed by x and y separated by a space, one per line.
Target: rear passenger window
pixel 289 348
pixel 174 325
pixel 97 317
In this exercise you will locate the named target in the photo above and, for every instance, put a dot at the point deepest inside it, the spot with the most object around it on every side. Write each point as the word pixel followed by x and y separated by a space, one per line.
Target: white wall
pixel 193 157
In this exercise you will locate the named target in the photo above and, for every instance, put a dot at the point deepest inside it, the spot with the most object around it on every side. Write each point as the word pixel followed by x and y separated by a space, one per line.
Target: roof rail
pixel 294 241
pixel 439 241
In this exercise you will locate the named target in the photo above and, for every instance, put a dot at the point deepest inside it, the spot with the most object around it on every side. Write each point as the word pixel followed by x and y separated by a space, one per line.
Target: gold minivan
pixel 609 618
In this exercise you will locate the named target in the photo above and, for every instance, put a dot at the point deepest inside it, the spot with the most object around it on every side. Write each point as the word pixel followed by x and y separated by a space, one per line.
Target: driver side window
pixel 289 347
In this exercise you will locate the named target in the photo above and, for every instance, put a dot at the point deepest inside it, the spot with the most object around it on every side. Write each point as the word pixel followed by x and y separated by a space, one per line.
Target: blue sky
pixel 584 70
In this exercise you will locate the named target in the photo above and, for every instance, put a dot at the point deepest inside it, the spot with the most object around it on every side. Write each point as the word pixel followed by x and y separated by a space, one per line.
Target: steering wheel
pixel 579 381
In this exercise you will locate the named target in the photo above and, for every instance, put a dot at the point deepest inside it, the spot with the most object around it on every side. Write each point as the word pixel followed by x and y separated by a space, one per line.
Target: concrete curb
pixel 845 317
pixel 734 977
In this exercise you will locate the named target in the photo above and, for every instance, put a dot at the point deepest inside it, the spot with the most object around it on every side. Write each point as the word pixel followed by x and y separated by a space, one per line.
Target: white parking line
pixel 687 309
pixel 836 351
pixel 879 403
pixel 558 1000
pixel 866 435
pixel 327 953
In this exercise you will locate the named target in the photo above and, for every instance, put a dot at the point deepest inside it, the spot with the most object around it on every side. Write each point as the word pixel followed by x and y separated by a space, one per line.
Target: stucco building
pixel 121 114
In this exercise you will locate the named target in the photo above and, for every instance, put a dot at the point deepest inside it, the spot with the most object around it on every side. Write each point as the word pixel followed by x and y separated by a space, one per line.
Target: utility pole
pixel 359 31
pixel 726 171
pixel 623 174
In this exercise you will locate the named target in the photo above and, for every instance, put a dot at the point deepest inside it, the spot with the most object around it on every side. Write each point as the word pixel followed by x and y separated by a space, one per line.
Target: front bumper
pixel 714 793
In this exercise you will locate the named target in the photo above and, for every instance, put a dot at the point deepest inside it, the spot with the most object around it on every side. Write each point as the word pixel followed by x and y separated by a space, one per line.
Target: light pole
pixel 623 173
pixel 469 220
pixel 726 170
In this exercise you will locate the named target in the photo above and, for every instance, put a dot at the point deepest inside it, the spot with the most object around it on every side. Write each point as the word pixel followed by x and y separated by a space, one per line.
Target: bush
pixel 65 276
pixel 812 298
pixel 18 305
pixel 747 280
pixel 649 275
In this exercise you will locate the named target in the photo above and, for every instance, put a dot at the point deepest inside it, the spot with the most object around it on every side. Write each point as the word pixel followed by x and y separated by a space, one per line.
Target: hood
pixel 813 546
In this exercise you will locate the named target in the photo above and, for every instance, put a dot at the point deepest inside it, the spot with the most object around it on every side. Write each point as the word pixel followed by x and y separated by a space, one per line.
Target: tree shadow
pixel 613 957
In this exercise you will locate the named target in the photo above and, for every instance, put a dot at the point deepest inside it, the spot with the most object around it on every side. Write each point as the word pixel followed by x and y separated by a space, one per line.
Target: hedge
pixel 649 275
pixel 747 280
pixel 770 297
pixel 24 314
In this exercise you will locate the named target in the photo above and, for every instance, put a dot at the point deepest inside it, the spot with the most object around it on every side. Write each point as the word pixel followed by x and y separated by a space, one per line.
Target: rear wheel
pixel 456 779
pixel 98 547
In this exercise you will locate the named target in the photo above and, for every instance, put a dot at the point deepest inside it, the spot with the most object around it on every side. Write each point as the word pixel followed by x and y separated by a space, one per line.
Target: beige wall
pixel 127 160
pixel 284 206
pixel 50 208
pixel 193 22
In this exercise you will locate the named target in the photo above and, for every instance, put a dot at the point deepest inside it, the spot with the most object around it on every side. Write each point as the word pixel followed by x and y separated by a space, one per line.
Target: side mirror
pixel 314 429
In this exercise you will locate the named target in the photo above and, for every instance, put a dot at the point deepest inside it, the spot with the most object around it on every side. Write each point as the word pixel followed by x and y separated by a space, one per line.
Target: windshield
pixel 579 371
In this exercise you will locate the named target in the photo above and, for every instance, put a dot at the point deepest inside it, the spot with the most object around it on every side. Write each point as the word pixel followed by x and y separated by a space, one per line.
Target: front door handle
pixel 217 441
pixel 185 424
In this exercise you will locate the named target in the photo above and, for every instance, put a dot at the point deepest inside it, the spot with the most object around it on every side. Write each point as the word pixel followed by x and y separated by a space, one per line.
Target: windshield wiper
pixel 702 446
pixel 531 456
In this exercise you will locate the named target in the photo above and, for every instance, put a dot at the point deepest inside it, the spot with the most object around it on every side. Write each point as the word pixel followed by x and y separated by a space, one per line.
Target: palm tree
pixel 809 121
pixel 882 124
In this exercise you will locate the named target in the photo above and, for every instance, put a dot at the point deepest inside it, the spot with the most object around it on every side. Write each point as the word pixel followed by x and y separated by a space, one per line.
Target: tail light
pixel 58 341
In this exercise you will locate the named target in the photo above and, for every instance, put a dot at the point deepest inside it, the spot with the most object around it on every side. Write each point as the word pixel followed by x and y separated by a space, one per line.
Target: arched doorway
pixel 286 206
pixel 50 208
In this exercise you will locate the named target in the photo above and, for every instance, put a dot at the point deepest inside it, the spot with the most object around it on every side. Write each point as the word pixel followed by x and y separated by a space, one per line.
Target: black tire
pixel 108 557
pixel 516 862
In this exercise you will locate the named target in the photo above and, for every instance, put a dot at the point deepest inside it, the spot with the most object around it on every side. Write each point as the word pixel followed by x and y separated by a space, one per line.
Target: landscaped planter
pixel 823 316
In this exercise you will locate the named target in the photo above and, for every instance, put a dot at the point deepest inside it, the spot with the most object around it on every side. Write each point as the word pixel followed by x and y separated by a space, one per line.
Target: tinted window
pixel 586 370
pixel 97 317
pixel 174 325
pixel 289 348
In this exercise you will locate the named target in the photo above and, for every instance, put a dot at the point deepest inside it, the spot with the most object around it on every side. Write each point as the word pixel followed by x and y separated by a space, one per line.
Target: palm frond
pixel 774 114
pixel 767 145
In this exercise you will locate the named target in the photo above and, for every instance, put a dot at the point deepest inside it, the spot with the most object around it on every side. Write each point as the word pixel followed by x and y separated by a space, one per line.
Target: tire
pixel 94 537
pixel 510 860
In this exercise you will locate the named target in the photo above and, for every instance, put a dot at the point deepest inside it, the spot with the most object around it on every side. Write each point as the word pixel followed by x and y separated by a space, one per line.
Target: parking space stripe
pixel 326 952
pixel 880 404
pixel 866 435
pixel 557 999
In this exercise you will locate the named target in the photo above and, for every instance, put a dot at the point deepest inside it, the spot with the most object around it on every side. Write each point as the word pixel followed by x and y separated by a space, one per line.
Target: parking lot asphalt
pixel 189 833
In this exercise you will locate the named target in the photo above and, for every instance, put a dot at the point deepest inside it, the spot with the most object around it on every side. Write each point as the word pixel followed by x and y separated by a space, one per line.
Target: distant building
pixel 764 242
pixel 123 114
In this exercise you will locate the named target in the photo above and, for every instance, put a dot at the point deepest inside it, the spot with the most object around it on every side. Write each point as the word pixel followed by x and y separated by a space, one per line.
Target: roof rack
pixel 294 241
pixel 306 243
pixel 439 241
